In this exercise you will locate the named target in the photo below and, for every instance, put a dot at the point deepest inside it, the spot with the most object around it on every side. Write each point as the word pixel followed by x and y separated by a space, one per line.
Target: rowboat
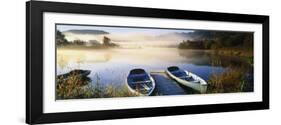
pixel 188 79
pixel 140 82
pixel 76 72
pixel 61 79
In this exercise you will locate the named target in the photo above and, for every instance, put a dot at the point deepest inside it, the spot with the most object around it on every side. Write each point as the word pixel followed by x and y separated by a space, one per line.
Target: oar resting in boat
pixel 188 79
pixel 140 82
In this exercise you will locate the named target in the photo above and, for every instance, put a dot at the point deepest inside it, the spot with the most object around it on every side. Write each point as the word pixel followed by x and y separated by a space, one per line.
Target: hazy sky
pixel 118 30
pixel 127 36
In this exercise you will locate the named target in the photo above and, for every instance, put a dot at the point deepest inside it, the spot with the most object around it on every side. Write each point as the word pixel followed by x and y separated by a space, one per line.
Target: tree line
pixel 62 41
pixel 218 40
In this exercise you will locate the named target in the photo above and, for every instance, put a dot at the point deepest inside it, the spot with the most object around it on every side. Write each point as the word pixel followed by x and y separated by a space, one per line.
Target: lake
pixel 111 66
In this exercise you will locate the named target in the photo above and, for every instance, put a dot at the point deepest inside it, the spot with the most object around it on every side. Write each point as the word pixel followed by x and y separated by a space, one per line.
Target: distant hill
pixel 90 32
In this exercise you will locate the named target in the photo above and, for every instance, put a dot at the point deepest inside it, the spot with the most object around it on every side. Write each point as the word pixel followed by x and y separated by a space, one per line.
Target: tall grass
pixel 79 87
pixel 235 78
pixel 71 86
pixel 231 80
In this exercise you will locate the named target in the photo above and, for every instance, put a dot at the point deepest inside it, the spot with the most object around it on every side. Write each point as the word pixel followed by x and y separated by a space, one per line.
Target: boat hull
pixel 200 87
pixel 61 79
pixel 141 94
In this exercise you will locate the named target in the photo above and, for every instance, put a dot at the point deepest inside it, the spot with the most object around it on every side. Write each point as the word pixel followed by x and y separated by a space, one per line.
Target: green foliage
pixel 203 44
pixel 218 40
pixel 107 42
pixel 79 42
pixel 60 39
pixel 233 39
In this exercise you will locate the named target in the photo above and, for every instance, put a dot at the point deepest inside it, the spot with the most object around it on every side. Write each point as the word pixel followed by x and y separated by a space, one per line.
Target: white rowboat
pixel 188 79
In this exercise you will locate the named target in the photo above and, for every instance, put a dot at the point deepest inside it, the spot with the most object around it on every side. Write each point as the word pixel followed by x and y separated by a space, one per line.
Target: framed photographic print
pixel 95 62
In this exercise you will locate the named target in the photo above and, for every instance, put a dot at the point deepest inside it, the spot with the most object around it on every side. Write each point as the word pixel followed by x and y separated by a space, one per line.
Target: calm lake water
pixel 111 66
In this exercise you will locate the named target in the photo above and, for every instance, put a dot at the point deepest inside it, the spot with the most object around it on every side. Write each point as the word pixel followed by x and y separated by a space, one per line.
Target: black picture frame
pixel 34 61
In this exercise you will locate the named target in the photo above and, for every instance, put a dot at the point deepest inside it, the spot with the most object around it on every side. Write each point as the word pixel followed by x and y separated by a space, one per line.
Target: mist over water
pixel 132 39
pixel 111 66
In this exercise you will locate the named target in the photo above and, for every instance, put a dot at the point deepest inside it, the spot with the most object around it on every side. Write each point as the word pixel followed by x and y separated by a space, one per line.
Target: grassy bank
pixel 231 80
pixel 236 78
pixel 77 87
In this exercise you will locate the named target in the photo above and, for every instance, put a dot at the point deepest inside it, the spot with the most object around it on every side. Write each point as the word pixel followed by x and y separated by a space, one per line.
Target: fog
pixel 119 61
pixel 132 39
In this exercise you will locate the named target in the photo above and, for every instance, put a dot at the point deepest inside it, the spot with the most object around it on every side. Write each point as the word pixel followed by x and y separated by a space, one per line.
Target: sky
pixel 126 36
pixel 119 30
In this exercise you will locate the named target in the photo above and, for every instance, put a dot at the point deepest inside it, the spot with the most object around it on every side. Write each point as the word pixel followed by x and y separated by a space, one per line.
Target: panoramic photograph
pixel 95 61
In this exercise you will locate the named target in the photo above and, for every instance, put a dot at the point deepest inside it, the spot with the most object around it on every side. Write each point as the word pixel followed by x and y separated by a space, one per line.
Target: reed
pixel 77 87
pixel 231 80
pixel 70 87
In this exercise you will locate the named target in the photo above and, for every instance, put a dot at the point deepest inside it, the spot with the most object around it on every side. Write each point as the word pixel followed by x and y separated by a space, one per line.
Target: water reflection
pixel 209 58
pixel 111 66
